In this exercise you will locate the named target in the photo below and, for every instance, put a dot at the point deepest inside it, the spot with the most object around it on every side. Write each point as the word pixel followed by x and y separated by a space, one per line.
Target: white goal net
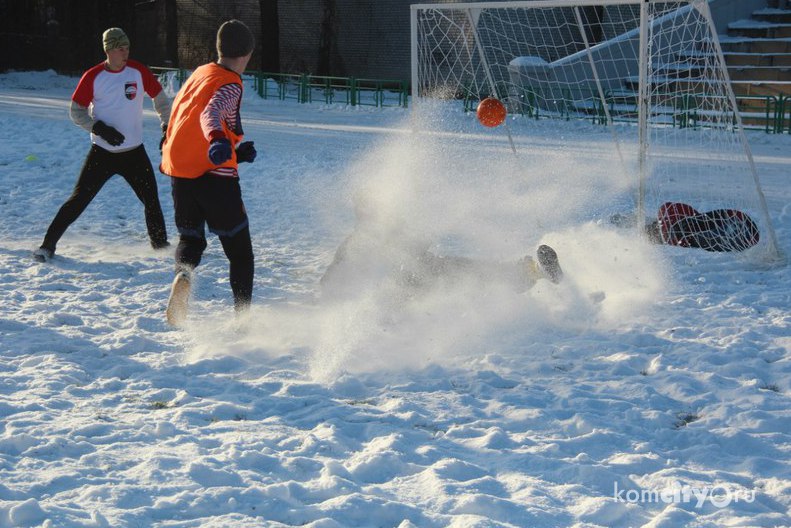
pixel 652 71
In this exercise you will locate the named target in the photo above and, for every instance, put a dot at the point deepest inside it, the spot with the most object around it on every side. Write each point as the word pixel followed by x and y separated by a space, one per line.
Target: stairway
pixel 758 52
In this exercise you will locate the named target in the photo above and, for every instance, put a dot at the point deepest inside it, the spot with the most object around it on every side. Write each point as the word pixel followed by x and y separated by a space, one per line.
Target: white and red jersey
pixel 116 97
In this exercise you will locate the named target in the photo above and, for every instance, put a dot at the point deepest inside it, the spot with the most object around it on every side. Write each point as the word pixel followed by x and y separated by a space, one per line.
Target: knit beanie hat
pixel 234 39
pixel 114 38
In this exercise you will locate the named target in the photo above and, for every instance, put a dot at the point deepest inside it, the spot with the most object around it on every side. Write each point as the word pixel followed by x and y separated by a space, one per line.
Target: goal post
pixel 653 71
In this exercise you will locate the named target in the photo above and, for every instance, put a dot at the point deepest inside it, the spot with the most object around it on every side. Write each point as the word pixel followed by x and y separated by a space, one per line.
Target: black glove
pixel 220 151
pixel 164 135
pixel 107 133
pixel 245 152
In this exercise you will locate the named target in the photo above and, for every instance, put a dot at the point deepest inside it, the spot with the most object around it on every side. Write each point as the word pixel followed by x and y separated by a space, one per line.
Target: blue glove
pixel 220 151
pixel 245 152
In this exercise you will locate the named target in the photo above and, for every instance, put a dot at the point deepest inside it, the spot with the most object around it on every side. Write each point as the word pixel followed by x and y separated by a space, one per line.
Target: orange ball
pixel 491 112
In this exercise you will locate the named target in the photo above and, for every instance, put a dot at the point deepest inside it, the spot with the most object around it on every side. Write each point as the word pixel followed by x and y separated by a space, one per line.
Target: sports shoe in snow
pixel 178 301
pixel 160 244
pixel 548 262
pixel 43 254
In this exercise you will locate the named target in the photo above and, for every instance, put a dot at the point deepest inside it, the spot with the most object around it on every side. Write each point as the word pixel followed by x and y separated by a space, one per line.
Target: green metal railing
pixel 379 93
pixel 783 116
pixel 771 114
pixel 759 112
pixel 305 88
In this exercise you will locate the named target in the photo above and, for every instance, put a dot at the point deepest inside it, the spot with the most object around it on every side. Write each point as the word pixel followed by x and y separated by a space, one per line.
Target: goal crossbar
pixel 528 3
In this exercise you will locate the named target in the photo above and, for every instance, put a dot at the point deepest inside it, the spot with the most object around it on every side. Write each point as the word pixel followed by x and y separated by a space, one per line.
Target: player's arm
pixel 162 108
pixel 81 99
pixel 222 109
pixel 80 116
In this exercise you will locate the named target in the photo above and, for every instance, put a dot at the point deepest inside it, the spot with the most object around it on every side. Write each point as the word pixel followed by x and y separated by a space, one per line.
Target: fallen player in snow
pixel 680 224
pixel 376 252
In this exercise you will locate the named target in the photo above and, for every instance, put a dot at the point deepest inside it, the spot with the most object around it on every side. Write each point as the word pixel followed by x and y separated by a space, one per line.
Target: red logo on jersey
pixel 130 89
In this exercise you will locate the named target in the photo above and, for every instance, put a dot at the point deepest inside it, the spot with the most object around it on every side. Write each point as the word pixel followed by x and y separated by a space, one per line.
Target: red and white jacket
pixel 116 97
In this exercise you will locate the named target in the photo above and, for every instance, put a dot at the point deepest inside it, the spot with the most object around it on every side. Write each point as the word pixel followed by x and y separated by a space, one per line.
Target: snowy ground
pixel 651 388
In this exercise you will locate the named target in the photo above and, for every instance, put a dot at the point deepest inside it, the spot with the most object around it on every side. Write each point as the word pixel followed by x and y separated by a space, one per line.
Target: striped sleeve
pixel 223 107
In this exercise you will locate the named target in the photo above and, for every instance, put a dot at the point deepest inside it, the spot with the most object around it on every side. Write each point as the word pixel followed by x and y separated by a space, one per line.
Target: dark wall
pixel 323 37
pixel 345 38
pixel 64 35
pixel 156 38
pixel 374 39
pixel 198 21
pixel 356 38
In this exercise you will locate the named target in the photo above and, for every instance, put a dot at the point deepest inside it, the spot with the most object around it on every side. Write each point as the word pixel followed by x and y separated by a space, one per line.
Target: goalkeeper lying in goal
pixel 720 230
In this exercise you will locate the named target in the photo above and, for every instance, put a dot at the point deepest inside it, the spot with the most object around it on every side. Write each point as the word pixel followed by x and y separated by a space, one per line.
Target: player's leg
pixel 192 242
pixel 722 230
pixel 190 222
pixel 529 272
pixel 136 169
pixel 239 250
pixel 438 266
pixel 546 265
pixel 227 218
pixel 96 170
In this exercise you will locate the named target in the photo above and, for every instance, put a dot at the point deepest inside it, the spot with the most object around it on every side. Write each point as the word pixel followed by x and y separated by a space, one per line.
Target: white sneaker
pixel 178 303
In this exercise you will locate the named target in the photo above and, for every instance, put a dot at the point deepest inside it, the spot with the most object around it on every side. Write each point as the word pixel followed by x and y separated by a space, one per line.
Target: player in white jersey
pixel 108 103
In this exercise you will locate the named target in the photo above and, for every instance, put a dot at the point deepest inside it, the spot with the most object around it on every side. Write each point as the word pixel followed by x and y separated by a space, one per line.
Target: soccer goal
pixel 652 71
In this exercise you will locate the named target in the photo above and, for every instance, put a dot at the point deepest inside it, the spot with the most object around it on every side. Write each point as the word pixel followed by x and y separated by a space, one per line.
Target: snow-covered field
pixel 650 388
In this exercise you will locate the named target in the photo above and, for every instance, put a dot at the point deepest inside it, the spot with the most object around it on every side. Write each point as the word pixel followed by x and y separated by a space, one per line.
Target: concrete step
pixel 734 59
pixel 773 15
pixel 758 29
pixel 774 4
pixel 757 59
pixel 670 84
pixel 740 87
pixel 623 97
pixel 754 45
pixel 759 73
pixel 773 88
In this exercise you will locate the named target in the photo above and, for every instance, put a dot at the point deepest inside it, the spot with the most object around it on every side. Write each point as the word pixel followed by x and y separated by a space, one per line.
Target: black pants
pixel 717 230
pixel 100 165
pixel 215 201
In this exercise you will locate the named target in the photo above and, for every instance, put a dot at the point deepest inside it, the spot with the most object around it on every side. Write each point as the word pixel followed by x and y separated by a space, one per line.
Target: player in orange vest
pixel 201 152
